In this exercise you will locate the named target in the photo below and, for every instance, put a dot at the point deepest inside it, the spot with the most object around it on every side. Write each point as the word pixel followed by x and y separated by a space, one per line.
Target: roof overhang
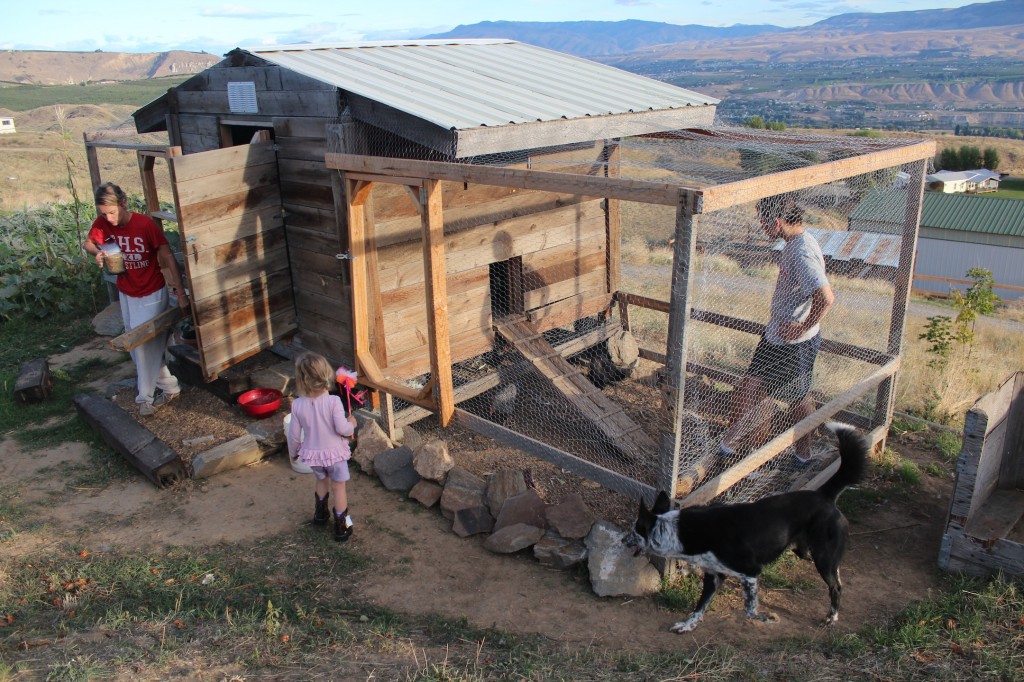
pixel 482 140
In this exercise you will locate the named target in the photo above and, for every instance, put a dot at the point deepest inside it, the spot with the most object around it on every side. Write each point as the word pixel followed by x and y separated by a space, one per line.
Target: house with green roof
pixel 964 231
pixel 957 232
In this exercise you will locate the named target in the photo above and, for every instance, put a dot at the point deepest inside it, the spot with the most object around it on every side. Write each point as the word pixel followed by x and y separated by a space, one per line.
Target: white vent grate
pixel 242 98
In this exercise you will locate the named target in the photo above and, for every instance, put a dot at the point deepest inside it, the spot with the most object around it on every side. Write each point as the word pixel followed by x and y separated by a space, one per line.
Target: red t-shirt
pixel 139 240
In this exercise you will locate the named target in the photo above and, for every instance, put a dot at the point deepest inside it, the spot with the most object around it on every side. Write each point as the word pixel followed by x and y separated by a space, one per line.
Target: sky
pixel 156 26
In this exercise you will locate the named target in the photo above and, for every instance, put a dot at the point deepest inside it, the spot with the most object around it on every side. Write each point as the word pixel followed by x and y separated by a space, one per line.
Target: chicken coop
pixel 559 255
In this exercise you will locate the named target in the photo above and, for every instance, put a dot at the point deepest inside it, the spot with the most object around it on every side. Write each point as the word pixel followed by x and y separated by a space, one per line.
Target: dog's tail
pixel 853 458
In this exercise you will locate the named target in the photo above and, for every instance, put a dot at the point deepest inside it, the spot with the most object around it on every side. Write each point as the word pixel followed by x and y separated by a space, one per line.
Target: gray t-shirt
pixel 801 273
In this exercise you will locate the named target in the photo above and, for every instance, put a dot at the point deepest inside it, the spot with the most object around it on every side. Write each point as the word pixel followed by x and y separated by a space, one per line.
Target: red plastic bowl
pixel 260 402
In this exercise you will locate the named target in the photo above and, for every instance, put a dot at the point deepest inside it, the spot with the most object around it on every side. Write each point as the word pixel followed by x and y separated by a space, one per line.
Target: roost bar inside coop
pixel 597 304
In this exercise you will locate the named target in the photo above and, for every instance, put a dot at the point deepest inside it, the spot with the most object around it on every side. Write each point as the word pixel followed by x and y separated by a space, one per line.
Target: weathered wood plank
pixel 630 190
pixel 34 381
pixel 745 191
pixel 569 310
pixel 292 103
pixel 148 330
pixel 251 294
pixel 241 343
pixel 488 244
pixel 272 263
pixel 250 248
pixel 137 444
pixel 246 200
pixel 590 283
pixel 195 166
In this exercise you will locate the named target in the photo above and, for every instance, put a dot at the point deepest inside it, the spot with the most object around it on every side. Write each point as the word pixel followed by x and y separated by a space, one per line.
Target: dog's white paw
pixel 685 625
pixel 831 620
pixel 768 617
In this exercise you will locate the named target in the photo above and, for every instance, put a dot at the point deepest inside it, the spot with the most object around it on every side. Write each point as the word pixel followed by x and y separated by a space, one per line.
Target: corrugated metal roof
pixel 972 213
pixel 470 83
pixel 872 248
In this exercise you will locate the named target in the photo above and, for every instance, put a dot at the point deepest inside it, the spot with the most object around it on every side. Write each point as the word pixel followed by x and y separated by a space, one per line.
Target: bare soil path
pixel 421 567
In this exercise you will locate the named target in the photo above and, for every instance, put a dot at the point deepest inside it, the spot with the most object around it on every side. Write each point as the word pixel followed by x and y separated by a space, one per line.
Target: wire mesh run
pixel 615 336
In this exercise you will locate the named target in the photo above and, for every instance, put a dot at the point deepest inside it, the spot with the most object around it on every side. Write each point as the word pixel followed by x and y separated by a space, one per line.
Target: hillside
pixel 68 68
pixel 978 29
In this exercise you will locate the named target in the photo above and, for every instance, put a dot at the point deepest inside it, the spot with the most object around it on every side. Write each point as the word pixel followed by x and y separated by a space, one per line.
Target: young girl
pixel 318 436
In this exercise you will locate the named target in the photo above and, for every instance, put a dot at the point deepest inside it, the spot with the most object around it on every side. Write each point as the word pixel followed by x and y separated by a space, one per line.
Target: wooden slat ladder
pixel 625 434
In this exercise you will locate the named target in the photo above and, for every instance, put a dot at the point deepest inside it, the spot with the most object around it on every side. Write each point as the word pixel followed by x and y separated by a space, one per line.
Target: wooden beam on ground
pixel 436 295
pixel 725 480
pixel 752 189
pixel 147 330
pixel 586 185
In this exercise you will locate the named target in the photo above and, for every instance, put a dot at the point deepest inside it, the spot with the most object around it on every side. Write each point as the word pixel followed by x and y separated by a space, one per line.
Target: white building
pixel 6 125
pixel 958 182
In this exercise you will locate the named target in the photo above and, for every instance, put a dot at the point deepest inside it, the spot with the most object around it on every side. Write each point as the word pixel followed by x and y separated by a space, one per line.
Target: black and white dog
pixel 741 539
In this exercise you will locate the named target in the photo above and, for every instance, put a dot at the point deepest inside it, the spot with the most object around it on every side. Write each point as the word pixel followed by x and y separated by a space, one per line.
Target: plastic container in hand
pixel 297 466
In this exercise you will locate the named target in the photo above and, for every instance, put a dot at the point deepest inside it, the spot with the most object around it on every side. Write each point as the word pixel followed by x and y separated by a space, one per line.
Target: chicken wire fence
pixel 603 392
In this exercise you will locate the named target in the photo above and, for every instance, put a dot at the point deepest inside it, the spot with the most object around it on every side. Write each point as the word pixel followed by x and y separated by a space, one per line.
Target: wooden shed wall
pixel 560 238
pixel 299 109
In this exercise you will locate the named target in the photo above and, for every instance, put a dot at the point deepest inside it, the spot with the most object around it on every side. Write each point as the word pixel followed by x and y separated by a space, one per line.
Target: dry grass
pixel 35 159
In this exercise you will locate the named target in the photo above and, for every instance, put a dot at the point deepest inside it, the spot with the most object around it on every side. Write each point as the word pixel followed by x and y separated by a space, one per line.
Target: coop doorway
pixel 506 279
pixel 234 133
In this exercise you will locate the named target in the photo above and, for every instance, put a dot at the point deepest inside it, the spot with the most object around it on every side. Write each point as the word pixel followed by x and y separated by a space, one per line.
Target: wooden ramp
pixel 625 434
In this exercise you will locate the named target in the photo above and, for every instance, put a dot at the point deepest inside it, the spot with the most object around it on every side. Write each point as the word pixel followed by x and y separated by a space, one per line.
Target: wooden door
pixel 236 259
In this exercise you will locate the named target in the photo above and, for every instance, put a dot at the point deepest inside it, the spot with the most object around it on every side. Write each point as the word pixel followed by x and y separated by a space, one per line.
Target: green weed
pixel 680 592
pixel 948 444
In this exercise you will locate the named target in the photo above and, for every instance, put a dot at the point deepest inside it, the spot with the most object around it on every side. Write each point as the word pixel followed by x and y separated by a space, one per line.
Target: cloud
pixel 320 32
pixel 243 12
pixel 634 3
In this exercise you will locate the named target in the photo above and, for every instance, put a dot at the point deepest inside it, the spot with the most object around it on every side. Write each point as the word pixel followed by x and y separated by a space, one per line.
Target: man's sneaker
pixel 147 409
pixel 164 398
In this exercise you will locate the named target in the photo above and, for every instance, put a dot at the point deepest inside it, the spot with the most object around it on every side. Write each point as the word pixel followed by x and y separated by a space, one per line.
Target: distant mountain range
pixel 606 38
pixel 601 38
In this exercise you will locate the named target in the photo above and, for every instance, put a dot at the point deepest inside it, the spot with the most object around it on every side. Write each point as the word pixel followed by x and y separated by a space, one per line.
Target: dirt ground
pixel 421 567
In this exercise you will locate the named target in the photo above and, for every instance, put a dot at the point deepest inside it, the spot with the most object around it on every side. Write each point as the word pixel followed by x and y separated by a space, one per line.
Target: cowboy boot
pixel 320 513
pixel 342 526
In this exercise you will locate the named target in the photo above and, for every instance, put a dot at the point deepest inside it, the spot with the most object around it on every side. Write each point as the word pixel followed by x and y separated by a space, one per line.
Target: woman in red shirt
pixel 143 291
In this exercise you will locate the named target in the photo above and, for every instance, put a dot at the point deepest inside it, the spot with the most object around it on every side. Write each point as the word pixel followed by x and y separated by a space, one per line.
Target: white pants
pixel 149 357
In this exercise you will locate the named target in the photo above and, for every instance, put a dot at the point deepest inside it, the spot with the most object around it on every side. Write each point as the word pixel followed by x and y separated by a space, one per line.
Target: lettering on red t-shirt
pixel 139 241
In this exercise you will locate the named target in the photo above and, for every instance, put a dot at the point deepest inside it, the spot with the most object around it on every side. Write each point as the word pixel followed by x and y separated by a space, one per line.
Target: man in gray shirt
pixel 783 363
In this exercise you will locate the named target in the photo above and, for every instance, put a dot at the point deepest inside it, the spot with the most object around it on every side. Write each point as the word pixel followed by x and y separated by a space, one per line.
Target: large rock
pixel 426 493
pixel 558 552
pixel 372 442
pixel 502 485
pixel 409 437
pixel 571 518
pixel 526 507
pixel 432 461
pixel 269 432
pixel 280 376
pixel 462 490
pixel 472 521
pixel 614 571
pixel 394 469
pixel 513 538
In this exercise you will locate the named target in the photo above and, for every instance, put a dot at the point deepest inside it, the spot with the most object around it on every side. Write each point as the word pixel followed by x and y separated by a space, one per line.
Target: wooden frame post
pixel 678 325
pixel 357 192
pixel 435 280
pixel 885 396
